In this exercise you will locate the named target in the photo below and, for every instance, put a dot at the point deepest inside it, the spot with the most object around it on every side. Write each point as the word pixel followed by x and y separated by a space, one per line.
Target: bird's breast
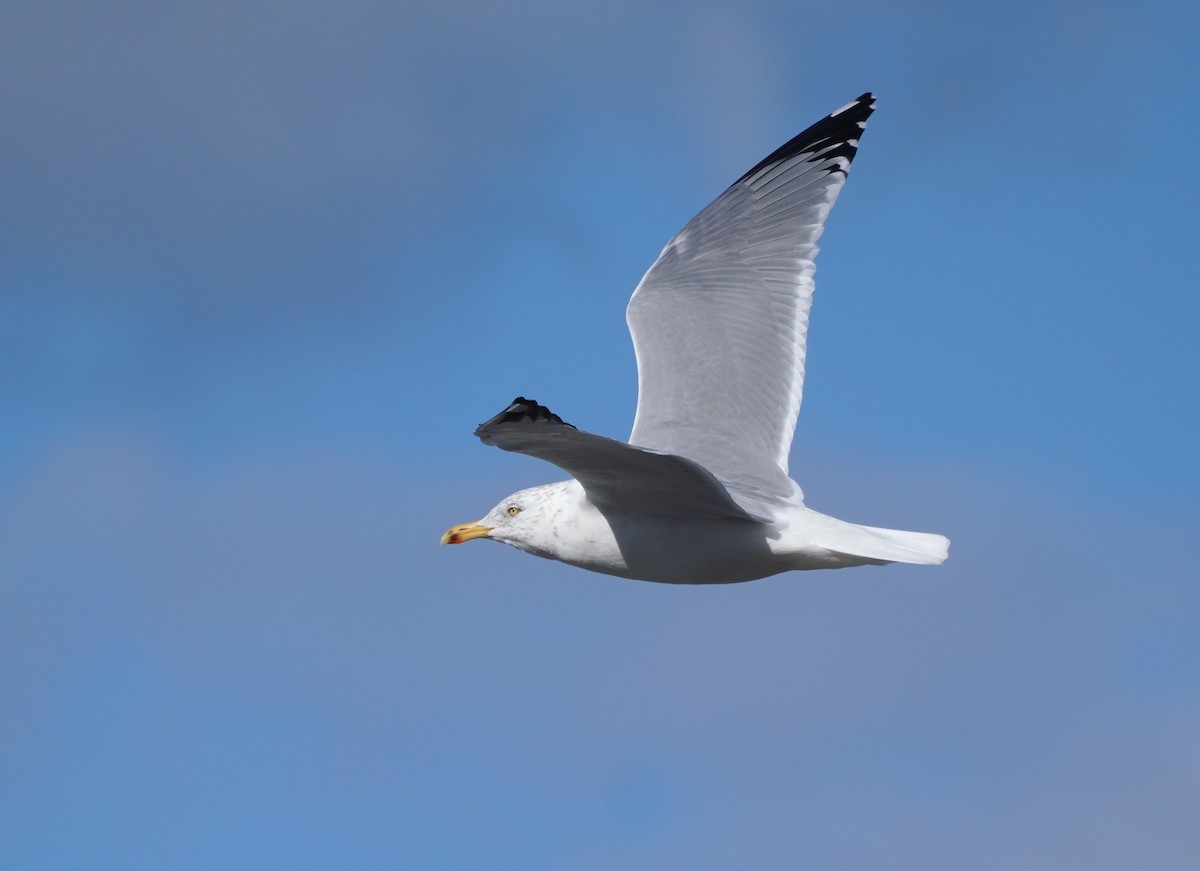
pixel 669 550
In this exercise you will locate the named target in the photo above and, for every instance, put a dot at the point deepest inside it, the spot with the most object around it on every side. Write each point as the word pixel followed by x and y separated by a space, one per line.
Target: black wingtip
pixel 522 410
pixel 835 135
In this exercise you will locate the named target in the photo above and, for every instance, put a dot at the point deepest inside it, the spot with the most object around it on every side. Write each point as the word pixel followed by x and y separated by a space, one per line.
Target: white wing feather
pixel 616 476
pixel 719 321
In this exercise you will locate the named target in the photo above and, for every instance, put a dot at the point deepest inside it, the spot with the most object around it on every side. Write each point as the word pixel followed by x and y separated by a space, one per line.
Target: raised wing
pixel 615 476
pixel 719 321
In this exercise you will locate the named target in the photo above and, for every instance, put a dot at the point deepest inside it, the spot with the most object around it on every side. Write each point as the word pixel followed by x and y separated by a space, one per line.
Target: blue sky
pixel 262 271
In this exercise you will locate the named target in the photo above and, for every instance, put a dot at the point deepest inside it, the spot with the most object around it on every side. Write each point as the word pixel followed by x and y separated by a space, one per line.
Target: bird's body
pixel 564 525
pixel 701 493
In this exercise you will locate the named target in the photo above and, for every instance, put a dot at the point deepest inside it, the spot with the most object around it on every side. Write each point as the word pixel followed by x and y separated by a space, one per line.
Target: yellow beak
pixel 459 534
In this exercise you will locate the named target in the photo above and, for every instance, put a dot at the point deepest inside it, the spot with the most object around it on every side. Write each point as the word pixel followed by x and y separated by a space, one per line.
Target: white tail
pixel 893 545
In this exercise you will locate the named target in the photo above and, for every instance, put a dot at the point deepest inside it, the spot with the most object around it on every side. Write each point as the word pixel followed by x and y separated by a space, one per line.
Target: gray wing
pixel 615 476
pixel 719 320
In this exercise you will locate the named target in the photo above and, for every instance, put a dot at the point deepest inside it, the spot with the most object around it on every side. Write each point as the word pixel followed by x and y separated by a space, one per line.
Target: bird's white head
pixel 528 519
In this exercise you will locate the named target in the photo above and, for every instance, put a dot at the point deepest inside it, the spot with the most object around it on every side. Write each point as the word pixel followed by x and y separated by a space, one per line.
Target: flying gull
pixel 700 494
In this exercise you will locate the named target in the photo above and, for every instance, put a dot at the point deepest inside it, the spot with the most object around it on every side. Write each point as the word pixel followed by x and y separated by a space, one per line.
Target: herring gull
pixel 701 494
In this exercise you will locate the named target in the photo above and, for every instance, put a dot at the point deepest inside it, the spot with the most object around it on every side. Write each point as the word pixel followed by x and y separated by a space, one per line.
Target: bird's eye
pixel 513 510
